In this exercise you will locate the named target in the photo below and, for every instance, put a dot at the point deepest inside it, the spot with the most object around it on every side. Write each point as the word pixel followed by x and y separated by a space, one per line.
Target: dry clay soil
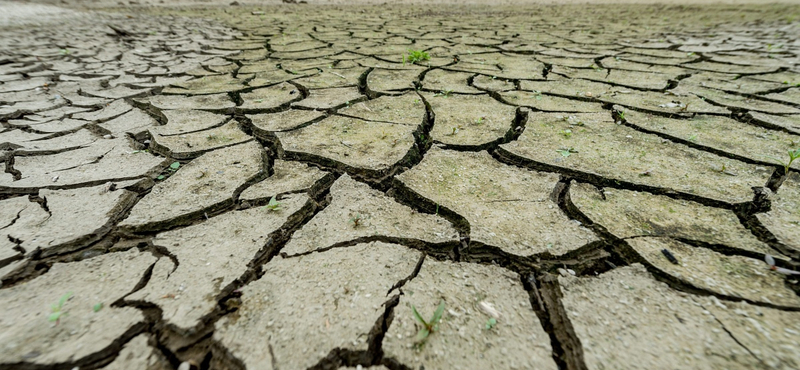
pixel 284 186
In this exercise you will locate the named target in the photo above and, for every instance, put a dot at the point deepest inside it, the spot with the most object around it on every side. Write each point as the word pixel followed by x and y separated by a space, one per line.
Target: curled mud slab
pixel 227 186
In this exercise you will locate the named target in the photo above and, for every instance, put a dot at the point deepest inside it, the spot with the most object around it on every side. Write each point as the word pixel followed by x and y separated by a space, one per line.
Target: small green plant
pixel 566 152
pixel 428 327
pixel 273 205
pixel 97 307
pixel 793 154
pixel 566 133
pixel 480 121
pixel 490 323
pixel 414 56
pixel 357 220
pixel 621 116
pixel 444 93
pixel 63 52
pixel 58 309
pixel 172 168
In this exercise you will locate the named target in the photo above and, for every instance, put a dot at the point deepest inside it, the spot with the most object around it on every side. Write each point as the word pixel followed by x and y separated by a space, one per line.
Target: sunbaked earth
pixel 234 186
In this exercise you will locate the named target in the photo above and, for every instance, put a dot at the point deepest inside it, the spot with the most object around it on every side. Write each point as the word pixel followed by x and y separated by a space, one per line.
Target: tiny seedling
pixel 566 133
pixel 771 262
pixel 490 323
pixel 58 308
pixel 793 154
pixel 97 307
pixel 566 152
pixel 357 220
pixel 172 168
pixel 428 327
pixel 444 93
pixel 273 205
pixel 455 130
pixel 414 56
pixel 480 121
pixel 621 116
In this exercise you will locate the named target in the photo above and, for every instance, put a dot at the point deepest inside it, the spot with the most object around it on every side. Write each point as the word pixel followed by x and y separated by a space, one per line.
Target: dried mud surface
pixel 280 187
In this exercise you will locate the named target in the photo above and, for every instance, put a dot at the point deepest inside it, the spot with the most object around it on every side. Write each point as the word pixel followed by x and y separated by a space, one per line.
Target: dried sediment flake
pixel 629 214
pixel 627 320
pixel 506 207
pixel 356 211
pixel 73 219
pixel 191 145
pixel 287 177
pixel 463 341
pixel 594 144
pixel 138 355
pixel 105 160
pixel 28 335
pixel 304 307
pixel 353 142
pixel 752 142
pixel 783 219
pixel 733 276
pixel 468 119
pixel 207 183
pixel 210 255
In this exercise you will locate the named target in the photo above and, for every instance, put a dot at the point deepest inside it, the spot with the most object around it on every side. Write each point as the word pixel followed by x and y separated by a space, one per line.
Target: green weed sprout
pixel 273 205
pixel 444 93
pixel 58 308
pixel 356 220
pixel 428 327
pixel 793 154
pixel 415 56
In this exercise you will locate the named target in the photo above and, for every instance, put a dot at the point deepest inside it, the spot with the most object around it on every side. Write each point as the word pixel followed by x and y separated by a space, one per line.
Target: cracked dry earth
pixel 530 175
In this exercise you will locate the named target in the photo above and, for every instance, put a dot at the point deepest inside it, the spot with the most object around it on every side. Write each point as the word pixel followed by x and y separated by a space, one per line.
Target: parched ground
pixel 284 186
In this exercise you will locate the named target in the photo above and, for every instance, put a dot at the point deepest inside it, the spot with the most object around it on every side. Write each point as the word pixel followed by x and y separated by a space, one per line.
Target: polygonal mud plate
pixel 138 355
pixel 675 103
pixel 469 120
pixel 549 103
pixel 775 338
pixel 449 81
pixel 323 99
pixel 29 336
pixel 73 219
pixel 783 219
pixel 732 276
pixel 353 142
pixel 210 256
pixel 629 214
pixel 492 84
pixel 517 341
pixel 595 145
pixel 268 99
pixel 393 80
pixel 789 122
pixel 103 161
pixel 753 142
pixel 207 102
pixel 184 121
pixel 206 184
pixel 194 144
pixel 407 109
pixel 740 102
pixel 287 177
pixel 333 78
pixel 304 307
pixel 134 122
pixel 264 124
pixel 507 207
pixel 627 320
pixel 207 85
pixel 356 210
